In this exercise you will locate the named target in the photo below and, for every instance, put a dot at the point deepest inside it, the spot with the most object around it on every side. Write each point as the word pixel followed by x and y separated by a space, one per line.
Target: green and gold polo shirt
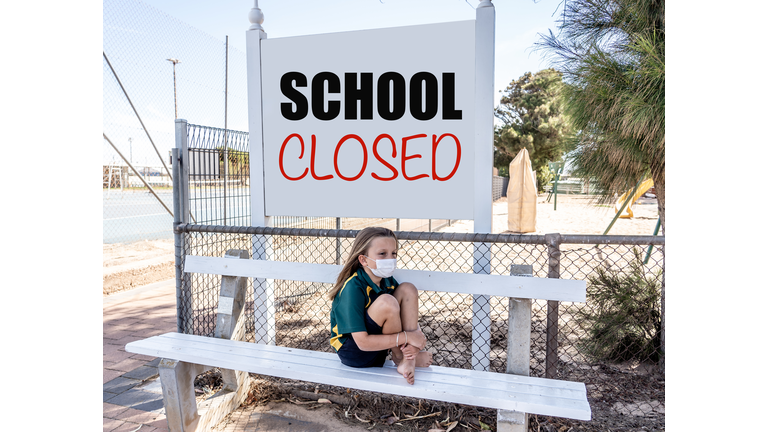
pixel 351 302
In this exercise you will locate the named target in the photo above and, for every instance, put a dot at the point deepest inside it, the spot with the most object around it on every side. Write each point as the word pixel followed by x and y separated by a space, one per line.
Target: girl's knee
pixel 406 289
pixel 386 304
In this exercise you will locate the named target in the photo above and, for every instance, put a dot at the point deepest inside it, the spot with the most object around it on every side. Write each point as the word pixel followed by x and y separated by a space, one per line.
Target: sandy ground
pixel 126 266
pixel 575 214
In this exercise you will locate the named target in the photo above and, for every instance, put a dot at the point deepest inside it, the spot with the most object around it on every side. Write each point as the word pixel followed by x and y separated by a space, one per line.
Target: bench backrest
pixel 465 283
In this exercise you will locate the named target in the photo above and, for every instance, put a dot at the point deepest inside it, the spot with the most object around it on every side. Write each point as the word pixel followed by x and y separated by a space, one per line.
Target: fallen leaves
pixel 444 426
pixel 408 417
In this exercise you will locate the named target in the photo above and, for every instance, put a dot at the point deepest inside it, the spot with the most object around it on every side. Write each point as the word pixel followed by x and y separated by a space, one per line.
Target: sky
pixel 518 22
pixel 138 40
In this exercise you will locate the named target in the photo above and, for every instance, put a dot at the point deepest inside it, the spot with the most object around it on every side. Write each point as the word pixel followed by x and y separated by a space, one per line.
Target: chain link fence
pixel 142 92
pixel 617 354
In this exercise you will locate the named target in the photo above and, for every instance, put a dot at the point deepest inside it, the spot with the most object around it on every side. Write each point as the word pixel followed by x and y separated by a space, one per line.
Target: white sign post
pixel 485 24
pixel 384 123
pixel 264 291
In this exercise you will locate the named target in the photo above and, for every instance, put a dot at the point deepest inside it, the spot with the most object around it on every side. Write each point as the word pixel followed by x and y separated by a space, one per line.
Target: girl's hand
pixel 417 339
pixel 409 351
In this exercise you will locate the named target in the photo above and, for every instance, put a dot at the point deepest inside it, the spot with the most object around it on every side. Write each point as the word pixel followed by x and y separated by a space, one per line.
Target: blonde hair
pixel 359 247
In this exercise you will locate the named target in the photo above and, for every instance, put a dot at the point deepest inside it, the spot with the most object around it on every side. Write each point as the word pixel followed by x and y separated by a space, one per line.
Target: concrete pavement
pixel 132 396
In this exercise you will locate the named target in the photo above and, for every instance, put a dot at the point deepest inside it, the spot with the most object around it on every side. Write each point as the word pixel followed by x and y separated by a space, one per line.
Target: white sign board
pixel 374 123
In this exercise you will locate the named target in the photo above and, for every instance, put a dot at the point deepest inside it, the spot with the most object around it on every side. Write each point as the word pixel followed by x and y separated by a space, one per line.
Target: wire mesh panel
pixel 143 92
pixel 614 340
pixel 219 176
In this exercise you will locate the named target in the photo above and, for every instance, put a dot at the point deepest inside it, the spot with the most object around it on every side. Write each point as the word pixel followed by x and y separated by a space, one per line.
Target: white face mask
pixel 384 268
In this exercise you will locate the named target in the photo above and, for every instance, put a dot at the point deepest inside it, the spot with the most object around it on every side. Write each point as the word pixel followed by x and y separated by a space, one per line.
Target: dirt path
pixel 128 266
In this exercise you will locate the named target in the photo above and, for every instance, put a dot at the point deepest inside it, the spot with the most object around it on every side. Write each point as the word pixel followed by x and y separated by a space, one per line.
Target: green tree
pixel 532 116
pixel 611 53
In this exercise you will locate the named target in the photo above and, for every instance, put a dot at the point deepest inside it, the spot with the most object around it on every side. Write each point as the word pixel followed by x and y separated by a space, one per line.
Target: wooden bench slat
pixel 444 371
pixel 440 375
pixel 463 283
pixel 500 391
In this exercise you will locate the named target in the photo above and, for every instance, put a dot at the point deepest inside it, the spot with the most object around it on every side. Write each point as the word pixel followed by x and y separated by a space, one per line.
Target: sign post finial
pixel 256 17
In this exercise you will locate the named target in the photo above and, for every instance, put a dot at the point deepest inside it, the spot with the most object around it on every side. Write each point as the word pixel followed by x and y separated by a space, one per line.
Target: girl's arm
pixel 368 342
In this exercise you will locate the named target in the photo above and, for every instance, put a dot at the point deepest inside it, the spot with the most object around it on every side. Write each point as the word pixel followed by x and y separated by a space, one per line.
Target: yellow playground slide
pixel 643 188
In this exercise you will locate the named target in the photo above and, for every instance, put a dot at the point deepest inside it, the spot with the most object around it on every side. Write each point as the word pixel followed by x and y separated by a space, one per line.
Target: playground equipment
pixel 557 168
pixel 650 247
pixel 623 203
pixel 624 209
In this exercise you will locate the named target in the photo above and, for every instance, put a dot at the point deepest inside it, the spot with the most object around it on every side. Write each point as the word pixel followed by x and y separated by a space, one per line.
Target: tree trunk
pixel 658 183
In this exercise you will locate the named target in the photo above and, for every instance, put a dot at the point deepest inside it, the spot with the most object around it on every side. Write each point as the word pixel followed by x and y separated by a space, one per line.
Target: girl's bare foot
pixel 423 359
pixel 407 369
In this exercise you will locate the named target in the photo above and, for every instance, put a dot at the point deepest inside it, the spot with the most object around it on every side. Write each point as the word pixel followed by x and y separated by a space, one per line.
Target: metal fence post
pixel 178 249
pixel 181 215
pixel 553 253
pixel 338 243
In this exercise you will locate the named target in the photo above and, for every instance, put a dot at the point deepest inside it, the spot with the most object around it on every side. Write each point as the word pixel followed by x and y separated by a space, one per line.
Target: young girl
pixel 371 313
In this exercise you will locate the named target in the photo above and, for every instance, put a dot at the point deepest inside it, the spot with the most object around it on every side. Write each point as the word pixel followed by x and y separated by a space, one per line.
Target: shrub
pixel 623 317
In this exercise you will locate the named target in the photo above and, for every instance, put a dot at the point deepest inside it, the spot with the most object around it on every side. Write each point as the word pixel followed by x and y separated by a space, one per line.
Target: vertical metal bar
pixel 226 152
pixel 338 242
pixel 553 252
pixel 554 189
pixel 183 146
pixel 178 250
pixel 181 181
pixel 650 247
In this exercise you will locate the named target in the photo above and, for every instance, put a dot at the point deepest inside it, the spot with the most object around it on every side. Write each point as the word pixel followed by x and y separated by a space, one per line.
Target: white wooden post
pixel 264 298
pixel 485 22
pixel 518 352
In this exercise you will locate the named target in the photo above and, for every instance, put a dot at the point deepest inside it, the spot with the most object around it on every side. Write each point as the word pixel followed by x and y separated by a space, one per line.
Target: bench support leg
pixel 178 382
pixel 178 378
pixel 511 421
pixel 518 352
pixel 181 409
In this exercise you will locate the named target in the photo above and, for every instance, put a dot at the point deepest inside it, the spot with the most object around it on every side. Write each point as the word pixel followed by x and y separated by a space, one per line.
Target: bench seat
pixel 493 390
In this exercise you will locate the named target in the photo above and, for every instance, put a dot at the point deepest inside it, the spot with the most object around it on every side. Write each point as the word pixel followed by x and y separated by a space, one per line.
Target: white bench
pixel 514 395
